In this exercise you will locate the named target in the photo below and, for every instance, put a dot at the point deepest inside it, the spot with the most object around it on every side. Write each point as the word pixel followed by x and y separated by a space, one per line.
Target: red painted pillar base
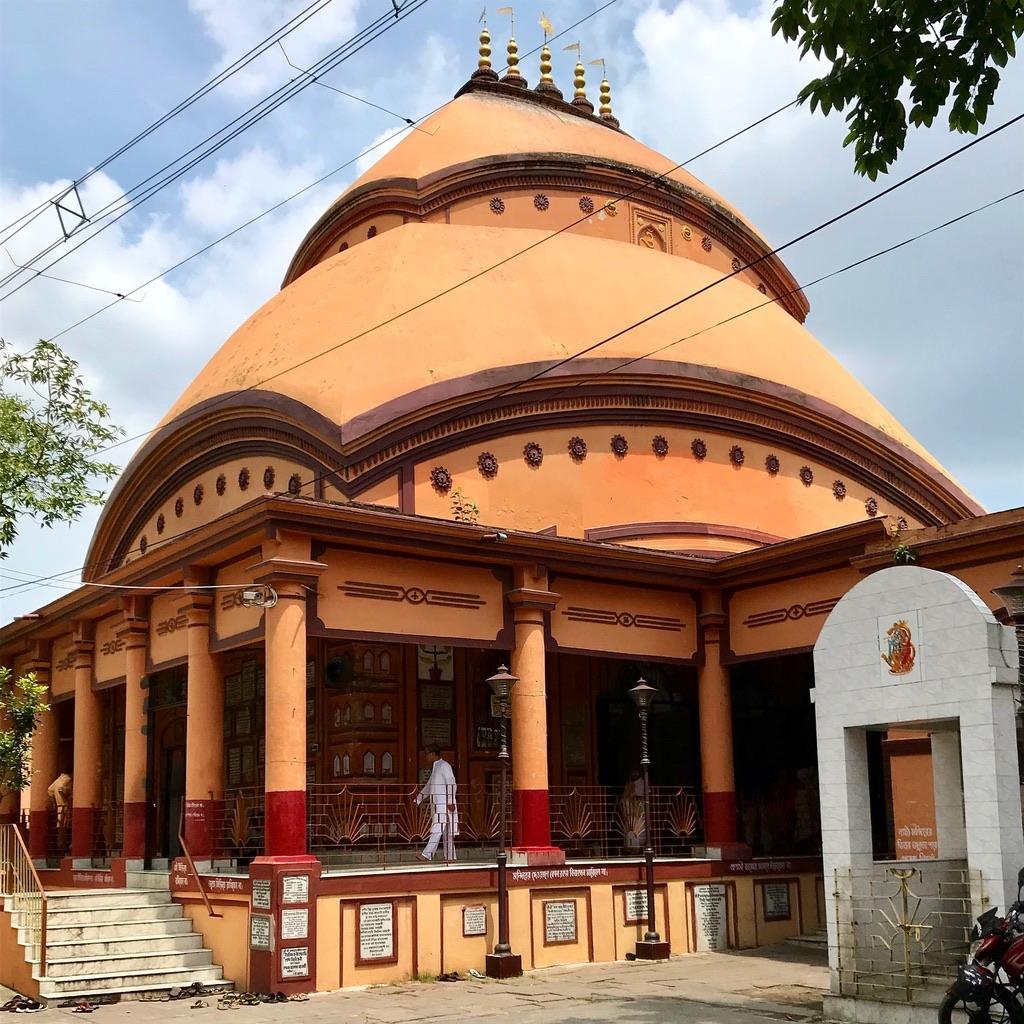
pixel 720 826
pixel 38 823
pixel 531 829
pixel 284 834
pixel 83 832
pixel 201 817
pixel 134 832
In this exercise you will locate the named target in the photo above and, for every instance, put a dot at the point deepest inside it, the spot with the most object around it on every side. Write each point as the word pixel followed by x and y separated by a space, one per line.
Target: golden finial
pixel 580 80
pixel 512 76
pixel 605 109
pixel 547 83
pixel 484 69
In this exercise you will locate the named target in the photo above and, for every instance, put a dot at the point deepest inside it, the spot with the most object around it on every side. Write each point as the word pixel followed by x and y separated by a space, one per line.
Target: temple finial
pixel 547 83
pixel 579 81
pixel 512 76
pixel 483 68
pixel 605 109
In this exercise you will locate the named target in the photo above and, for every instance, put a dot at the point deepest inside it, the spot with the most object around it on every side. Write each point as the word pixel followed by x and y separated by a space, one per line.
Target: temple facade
pixel 532 395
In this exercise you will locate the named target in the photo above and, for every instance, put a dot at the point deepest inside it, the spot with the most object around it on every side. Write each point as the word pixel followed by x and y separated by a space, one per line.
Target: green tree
pixel 51 432
pixel 22 704
pixel 886 56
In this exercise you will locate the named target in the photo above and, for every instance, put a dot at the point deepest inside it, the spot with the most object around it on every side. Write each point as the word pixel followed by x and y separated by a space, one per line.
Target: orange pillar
pixel 715 704
pixel 44 757
pixel 85 780
pixel 135 633
pixel 8 801
pixel 531 830
pixel 292 575
pixel 204 737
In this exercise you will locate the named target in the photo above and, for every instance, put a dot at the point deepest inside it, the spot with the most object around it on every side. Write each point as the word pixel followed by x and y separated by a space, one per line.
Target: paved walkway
pixel 780 983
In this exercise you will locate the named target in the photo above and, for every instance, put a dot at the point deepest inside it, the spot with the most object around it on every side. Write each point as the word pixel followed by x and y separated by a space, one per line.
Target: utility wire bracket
pixel 76 217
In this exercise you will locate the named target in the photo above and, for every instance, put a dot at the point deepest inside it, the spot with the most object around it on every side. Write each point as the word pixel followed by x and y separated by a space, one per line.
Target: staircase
pixel 117 942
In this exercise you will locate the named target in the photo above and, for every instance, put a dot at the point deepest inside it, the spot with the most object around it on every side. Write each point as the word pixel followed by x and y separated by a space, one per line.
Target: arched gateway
pixel 530 394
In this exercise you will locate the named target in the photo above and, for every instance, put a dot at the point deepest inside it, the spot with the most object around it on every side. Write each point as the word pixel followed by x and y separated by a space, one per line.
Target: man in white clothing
pixel 444 818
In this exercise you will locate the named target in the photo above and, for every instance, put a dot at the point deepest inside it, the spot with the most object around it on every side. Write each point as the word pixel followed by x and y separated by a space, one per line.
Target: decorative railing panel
pixel 237 828
pixel 19 881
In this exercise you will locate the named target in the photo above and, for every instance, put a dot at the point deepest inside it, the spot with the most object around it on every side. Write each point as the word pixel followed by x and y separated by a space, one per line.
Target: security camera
pixel 265 597
pixel 498 535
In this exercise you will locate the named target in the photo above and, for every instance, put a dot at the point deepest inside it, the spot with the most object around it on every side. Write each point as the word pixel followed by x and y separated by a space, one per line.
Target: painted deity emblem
pixel 902 652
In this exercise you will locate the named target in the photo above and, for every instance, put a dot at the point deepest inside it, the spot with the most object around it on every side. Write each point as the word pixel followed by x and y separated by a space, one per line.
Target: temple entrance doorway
pixel 165 777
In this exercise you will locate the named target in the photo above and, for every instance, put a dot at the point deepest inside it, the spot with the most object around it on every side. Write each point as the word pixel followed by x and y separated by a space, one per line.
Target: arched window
pixel 336 766
pixel 348 713
pixel 368 662
pixel 337 716
pixel 385 663
pixel 387 764
pixel 385 712
pixel 346 765
pixel 369 712
pixel 369 763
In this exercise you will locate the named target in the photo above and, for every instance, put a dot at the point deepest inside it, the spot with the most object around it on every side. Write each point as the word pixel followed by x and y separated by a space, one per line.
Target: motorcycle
pixel 990 989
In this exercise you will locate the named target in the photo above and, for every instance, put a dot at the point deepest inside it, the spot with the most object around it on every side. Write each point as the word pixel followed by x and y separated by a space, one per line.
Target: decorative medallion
pixel 372 231
pixel 179 507
pixel 143 544
pixel 243 479
pixel 871 507
pixel 699 448
pixel 736 455
pixel 268 477
pixel 343 247
pixel 541 201
pixel 902 523
pixel 687 234
pixel 294 483
pixel 533 453
pixel 901 651
pixel 197 494
pixel 650 238
pixel 222 484
pixel 660 445
pixel 619 445
pixel 839 490
pixel 705 244
pixel 610 208
pixel 160 523
pixel 736 263
pixel 586 204
pixel 497 205
pixel 772 464
pixel 441 479
pixel 487 464
pixel 761 288
pixel 806 476
pixel 577 449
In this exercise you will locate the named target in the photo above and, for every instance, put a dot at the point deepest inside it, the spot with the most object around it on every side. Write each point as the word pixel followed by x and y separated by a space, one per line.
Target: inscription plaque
pixel 295 889
pixel 710 906
pixel 559 922
pixel 377 932
pixel 776 901
pixel 474 920
pixel 259 931
pixel 437 730
pixel 636 905
pixel 295 962
pixel 261 893
pixel 295 924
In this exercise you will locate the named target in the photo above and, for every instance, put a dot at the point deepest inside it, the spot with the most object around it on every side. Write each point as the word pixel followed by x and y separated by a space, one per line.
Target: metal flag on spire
pixel 510 11
pixel 576 47
pixel 599 60
pixel 545 24
pixel 483 17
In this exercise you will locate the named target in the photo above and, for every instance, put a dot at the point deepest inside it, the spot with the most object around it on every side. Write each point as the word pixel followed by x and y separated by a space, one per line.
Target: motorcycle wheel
pixel 1004 1009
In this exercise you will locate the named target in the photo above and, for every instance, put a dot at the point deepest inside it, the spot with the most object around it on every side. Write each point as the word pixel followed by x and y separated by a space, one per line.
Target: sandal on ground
pixel 474 973
pixel 299 997
pixel 83 1007
pixel 199 1004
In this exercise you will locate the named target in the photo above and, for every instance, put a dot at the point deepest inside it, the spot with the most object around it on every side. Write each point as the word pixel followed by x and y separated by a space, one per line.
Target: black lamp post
pixel 1012 596
pixel 503 963
pixel 651 947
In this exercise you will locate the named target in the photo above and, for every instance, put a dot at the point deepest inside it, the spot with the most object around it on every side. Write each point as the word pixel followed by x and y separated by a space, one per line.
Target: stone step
pixel 110 983
pixel 816 940
pixel 152 880
pixel 127 964
pixel 130 898
pixel 136 943
pixel 110 930
pixel 109 914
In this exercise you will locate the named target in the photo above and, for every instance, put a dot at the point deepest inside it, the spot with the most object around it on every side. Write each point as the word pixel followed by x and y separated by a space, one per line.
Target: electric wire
pixel 128 202
pixel 222 76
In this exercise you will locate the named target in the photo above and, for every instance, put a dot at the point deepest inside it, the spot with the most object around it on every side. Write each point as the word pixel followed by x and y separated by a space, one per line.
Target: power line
pixel 128 203
pixel 237 65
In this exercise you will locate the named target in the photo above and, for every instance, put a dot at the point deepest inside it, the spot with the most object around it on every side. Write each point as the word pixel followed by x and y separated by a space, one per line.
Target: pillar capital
pixel 39 660
pixel 288 576
pixel 83 642
pixel 533 599
pixel 134 630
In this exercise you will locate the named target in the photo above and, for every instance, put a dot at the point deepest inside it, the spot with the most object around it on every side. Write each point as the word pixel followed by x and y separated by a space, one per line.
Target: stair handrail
pixel 192 865
pixel 20 880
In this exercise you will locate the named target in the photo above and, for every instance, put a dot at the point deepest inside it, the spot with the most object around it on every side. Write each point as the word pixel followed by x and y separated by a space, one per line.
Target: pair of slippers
pixel 450 976
pixel 22 1004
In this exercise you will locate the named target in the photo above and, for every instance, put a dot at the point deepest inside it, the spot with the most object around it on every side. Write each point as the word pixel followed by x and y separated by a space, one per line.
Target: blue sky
pixel 934 332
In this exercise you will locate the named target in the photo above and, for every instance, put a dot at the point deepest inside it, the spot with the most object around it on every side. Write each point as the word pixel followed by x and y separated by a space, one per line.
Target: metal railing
pixel 381 824
pixel 237 829
pixel 192 865
pixel 602 821
pixel 19 881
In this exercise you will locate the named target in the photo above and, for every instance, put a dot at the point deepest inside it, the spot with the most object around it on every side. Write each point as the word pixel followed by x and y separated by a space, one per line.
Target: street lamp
pixel 1012 596
pixel 651 947
pixel 503 963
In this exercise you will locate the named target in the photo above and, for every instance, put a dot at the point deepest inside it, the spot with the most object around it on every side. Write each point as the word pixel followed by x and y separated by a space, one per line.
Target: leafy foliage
pixel 21 705
pixel 886 52
pixel 464 510
pixel 51 431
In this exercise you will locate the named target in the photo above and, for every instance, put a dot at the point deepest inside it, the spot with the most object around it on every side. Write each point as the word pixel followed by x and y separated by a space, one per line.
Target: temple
pixel 530 394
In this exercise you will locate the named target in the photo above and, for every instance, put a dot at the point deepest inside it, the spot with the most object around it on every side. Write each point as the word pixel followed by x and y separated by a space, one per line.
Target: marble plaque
pixel 376 931
pixel 474 920
pixel 437 730
pixel 295 889
pixel 259 931
pixel 295 924
pixel 261 893
pixel 710 912
pixel 776 901
pixel 636 905
pixel 559 921
pixel 436 698
pixel 295 962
